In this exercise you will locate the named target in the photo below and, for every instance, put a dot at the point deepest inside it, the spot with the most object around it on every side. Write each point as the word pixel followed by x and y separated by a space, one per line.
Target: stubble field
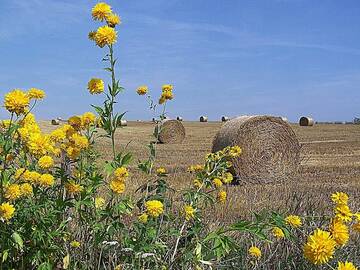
pixel 330 157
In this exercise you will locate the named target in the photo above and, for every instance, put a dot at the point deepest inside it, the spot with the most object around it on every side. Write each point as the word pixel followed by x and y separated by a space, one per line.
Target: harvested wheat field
pixel 330 161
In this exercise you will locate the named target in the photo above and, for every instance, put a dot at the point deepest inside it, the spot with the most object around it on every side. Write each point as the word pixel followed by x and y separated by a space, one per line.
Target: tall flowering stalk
pixel 106 36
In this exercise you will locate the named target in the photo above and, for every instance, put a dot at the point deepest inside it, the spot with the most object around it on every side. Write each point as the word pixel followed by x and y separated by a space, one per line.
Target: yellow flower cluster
pixel 278 232
pixel 143 218
pixel 46 162
pixel 167 93
pixel 117 184
pixel 346 266
pixel 154 208
pixel 222 196
pixel 320 247
pixel 35 93
pixel 99 202
pixel 189 212
pixel 293 221
pixel 142 90
pixel 105 35
pixel 161 171
pixel 73 188
pixel 16 101
pixel 7 211
pixel 96 86
pixel 255 252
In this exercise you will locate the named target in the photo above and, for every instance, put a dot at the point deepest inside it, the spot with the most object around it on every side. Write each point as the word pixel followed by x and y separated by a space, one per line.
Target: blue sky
pixel 228 57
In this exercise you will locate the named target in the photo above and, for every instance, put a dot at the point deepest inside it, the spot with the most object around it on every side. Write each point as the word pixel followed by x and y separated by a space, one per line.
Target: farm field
pixel 330 157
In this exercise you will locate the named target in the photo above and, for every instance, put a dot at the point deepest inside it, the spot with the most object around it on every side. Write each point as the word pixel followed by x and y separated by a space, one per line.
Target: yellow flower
pixel 143 218
pixel 105 35
pixel 7 211
pixel 235 151
pixel 26 189
pixel 31 176
pixel 217 183
pixel 346 266
pixel 19 173
pixel 340 198
pixel 96 86
pixel 91 35
pixel 343 212
pixel 161 170
pixel 113 20
pixel 167 95
pixel 100 11
pixel 79 141
pixel 195 168
pixel 35 93
pixel 46 180
pixel 197 183
pixel 228 178
pixel 222 196
pixel 16 101
pixel 75 244
pixel 58 135
pixel 121 173
pixel 99 202
pixel 88 119
pixel 357 216
pixel 73 188
pixel 72 152
pixel 117 186
pixel 154 208
pixel 278 233
pixel 189 212
pixel 142 90
pixel 39 145
pixel 254 252
pixel 46 162
pixel 293 221
pixel 13 192
pixel 75 122
pixel 320 247
pixel 167 88
pixel 339 232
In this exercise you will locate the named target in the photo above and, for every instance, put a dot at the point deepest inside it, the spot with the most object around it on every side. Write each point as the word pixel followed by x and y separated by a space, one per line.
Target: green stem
pixel 112 101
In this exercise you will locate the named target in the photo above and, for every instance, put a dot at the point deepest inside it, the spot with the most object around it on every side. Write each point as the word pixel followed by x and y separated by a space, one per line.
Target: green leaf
pixel 5 255
pixel 18 240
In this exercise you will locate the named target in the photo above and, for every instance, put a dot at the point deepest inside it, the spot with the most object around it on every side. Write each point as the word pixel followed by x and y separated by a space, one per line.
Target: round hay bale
pixel 284 119
pixel 225 119
pixel 179 118
pixel 203 119
pixel 170 131
pixel 123 123
pixel 270 149
pixel 55 122
pixel 306 121
pixel 60 119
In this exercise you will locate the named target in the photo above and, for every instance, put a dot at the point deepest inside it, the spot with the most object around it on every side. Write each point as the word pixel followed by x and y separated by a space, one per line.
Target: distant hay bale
pixel 284 119
pixel 224 119
pixel 203 119
pixel 170 131
pixel 55 122
pixel 270 149
pixel 179 118
pixel 154 120
pixel 306 121
pixel 123 123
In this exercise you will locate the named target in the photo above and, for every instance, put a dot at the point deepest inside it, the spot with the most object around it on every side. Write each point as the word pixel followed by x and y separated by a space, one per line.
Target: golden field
pixel 330 157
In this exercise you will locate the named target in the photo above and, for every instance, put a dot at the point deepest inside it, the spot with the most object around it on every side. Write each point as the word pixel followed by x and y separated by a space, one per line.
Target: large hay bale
pixel 270 149
pixel 170 131
pixel 55 122
pixel 306 121
pixel 203 118
pixel 225 119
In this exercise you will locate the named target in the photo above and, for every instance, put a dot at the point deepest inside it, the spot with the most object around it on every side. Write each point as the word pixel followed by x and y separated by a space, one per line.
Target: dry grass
pixel 330 157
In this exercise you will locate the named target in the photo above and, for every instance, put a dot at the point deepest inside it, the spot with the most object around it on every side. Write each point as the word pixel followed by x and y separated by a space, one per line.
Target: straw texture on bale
pixel 55 122
pixel 179 118
pixel 270 149
pixel 306 121
pixel 225 118
pixel 170 131
pixel 203 119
